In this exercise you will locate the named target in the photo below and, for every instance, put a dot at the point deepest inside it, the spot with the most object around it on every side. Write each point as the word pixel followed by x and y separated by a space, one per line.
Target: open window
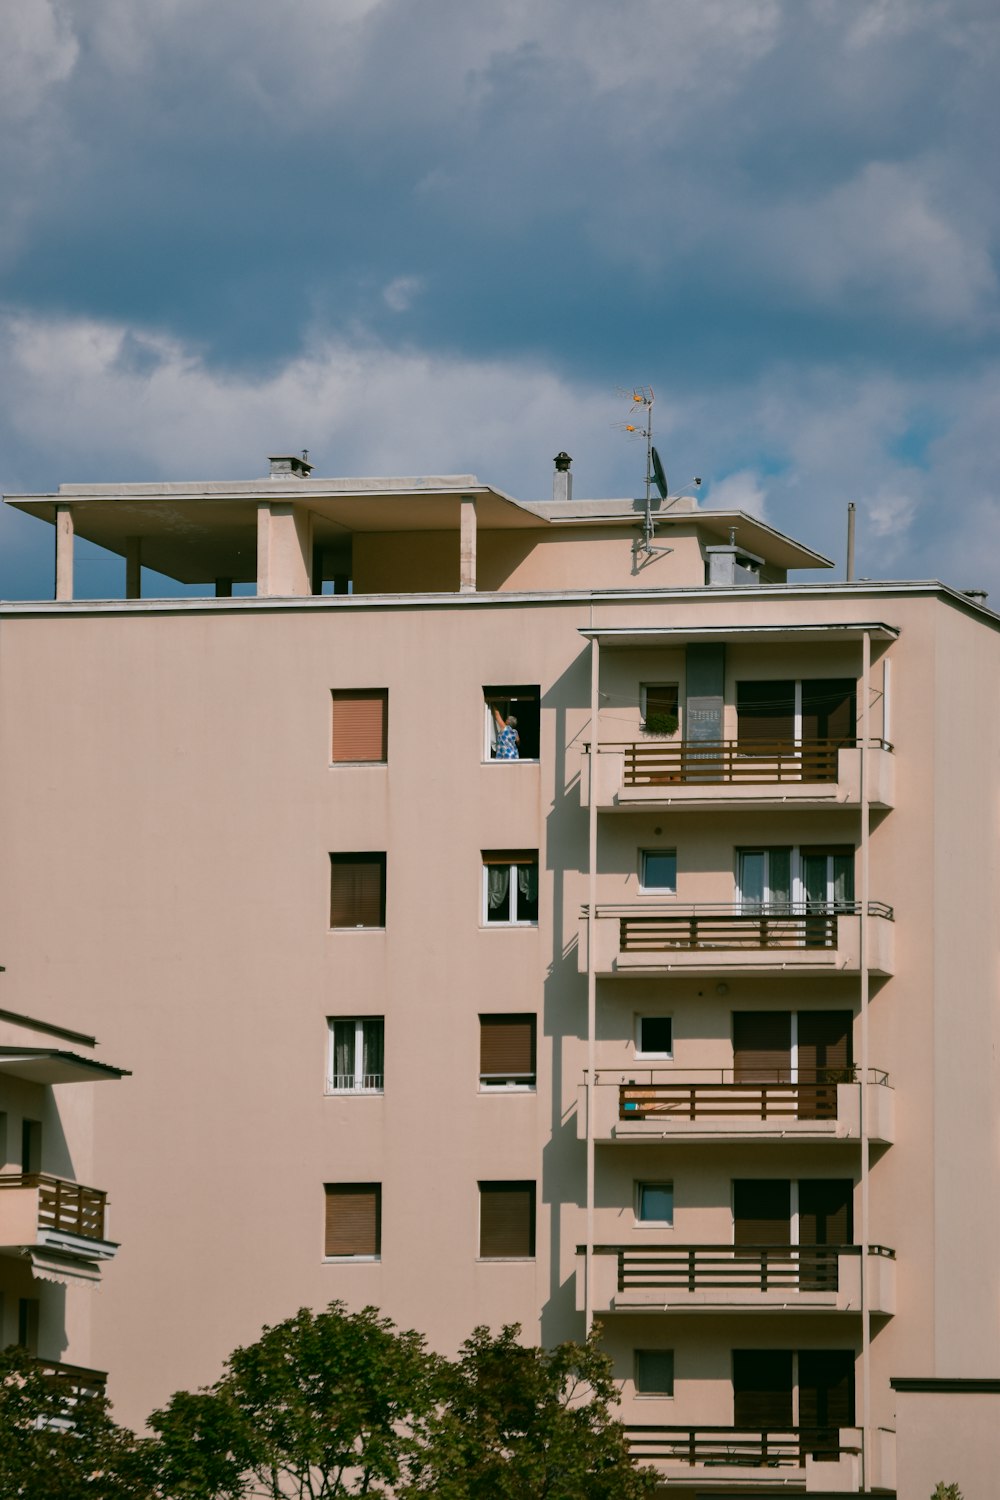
pixel 654 1036
pixel 522 703
pixel 658 702
pixel 510 887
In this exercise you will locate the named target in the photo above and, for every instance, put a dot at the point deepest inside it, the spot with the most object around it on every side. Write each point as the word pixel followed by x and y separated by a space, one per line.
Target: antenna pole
pixel 850 541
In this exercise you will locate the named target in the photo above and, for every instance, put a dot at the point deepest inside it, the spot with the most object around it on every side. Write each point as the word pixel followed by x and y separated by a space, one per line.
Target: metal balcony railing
pixel 64 1206
pixel 741 762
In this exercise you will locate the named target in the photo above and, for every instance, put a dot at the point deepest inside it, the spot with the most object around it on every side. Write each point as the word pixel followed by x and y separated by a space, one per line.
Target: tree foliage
pixel 522 1423
pixel 322 1405
pixel 58 1445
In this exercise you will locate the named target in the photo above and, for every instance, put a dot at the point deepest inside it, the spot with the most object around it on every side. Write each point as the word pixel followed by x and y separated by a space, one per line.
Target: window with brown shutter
pixel 360 724
pixel 762 1211
pixel 762 1388
pixel 765 711
pixel 507 1051
pixel 506 1220
pixel 762 1046
pixel 353 1218
pixel 357 890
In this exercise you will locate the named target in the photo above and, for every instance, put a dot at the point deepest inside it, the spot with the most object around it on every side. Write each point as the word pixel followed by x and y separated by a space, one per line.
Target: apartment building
pixel 511 915
pixel 54 1228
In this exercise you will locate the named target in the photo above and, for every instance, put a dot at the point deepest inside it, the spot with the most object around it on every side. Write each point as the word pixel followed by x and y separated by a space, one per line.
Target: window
pixel 796 712
pixel 654 1372
pixel 506 1220
pixel 524 704
pixel 356 1055
pixel 507 1051
pixel 31 1145
pixel 816 877
pixel 659 870
pixel 510 886
pixel 360 725
pixel 27 1323
pixel 654 1036
pixel 658 701
pixel 353 1220
pixel 357 890
pixel 654 1203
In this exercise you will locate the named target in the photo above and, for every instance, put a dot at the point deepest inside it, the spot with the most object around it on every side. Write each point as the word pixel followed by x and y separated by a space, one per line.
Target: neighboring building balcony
pixel 72 1381
pixel 794 1458
pixel 719 938
pixel 737 774
pixel 60 1223
pixel 732 1278
pixel 657 1104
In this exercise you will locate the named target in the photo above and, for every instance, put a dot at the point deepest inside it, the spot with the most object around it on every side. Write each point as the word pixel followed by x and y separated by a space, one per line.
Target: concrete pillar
pixel 223 588
pixel 264 547
pixel 64 551
pixel 467 546
pixel 133 567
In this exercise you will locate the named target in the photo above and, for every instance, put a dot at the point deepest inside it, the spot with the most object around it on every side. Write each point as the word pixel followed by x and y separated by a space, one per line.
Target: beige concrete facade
pixel 169 807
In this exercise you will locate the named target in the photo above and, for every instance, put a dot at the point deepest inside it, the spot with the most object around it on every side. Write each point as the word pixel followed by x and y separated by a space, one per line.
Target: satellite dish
pixel 659 477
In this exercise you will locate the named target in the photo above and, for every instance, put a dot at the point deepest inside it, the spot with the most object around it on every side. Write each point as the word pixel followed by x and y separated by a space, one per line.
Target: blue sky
pixel 423 236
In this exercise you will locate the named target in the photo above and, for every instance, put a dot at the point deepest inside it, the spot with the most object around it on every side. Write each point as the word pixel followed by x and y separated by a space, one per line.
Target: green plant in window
pixel 659 723
pixel 944 1491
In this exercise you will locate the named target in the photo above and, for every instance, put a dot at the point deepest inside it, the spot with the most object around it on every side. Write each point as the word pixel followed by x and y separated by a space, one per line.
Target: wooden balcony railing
pixel 739 1447
pixel 724 1101
pixel 63 1206
pixel 744 762
pixel 71 1382
pixel 753 1268
pixel 710 925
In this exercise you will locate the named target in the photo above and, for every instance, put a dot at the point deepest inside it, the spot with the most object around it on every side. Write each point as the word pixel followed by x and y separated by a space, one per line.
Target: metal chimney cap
pixel 562 462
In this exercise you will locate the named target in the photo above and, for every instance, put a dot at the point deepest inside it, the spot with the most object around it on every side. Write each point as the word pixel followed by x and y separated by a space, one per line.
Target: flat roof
pixel 199 530
pixel 624 636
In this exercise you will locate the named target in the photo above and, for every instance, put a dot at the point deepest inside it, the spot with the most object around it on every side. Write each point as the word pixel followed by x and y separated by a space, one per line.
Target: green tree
pixel 60 1443
pixel 944 1491
pixel 522 1423
pixel 324 1404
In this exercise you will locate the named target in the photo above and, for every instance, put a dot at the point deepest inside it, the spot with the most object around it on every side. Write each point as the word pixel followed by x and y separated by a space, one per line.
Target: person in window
pixel 507 736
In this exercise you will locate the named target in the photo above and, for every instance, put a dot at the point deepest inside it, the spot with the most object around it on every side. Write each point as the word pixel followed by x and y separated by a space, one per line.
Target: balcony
pixel 809 1458
pixel 732 1278
pixel 60 1223
pixel 737 774
pixel 657 1104
pixel 718 938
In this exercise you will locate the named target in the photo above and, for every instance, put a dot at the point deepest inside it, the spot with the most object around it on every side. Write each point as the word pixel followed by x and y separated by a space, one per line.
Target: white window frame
pixel 656 890
pixel 796 877
pixel 513 920
pixel 641 1223
pixel 650 1016
pixel 654 1395
pixel 360 1086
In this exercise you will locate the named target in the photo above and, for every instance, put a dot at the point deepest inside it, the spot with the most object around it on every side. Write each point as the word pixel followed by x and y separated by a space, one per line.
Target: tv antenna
pixel 642 399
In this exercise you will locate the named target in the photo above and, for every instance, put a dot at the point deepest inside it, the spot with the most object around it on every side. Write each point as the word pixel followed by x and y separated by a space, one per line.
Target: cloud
pixel 743 490
pixel 39 51
pixel 401 291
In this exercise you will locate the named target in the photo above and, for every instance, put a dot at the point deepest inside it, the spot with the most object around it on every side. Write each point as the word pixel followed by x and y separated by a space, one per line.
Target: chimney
pixel 562 479
pixel 290 465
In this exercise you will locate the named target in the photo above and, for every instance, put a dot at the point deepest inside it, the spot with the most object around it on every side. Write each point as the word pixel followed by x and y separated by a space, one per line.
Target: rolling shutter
pixel 765 711
pixel 826 1211
pixel 824 1045
pixel 357 890
pixel 353 1218
pixel 828 709
pixel 762 1388
pixel 762 1046
pixel 359 725
pixel 507 1047
pixel 506 1219
pixel 826 1399
pixel 762 1210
